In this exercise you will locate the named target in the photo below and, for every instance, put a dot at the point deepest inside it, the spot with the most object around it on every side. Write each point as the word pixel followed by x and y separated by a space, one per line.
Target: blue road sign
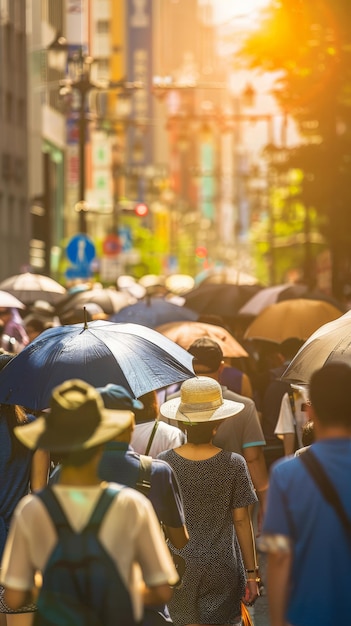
pixel 80 250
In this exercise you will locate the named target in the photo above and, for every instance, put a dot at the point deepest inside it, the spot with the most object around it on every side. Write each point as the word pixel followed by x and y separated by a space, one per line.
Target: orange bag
pixel 245 616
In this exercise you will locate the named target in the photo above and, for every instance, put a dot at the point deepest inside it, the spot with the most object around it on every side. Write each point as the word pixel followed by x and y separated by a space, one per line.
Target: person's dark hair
pixel 200 432
pixel 77 458
pixel 307 435
pixel 38 325
pixel 150 411
pixel 13 414
pixel 290 347
pixel 330 394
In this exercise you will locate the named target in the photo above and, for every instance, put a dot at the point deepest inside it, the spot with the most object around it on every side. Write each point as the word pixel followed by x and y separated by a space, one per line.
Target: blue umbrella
pixel 99 352
pixel 153 312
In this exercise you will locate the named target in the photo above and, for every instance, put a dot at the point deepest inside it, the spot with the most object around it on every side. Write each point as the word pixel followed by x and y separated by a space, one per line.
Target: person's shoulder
pixel 287 466
pixel 161 466
pixel 228 394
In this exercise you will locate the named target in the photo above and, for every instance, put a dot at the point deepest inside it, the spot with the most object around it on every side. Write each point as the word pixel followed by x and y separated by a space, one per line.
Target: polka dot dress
pixel 214 579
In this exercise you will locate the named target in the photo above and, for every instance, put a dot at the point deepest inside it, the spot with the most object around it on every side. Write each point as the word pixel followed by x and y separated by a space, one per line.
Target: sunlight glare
pixel 225 10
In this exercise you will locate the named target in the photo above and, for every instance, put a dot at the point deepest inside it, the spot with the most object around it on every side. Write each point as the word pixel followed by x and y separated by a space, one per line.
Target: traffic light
pixel 201 252
pixel 141 209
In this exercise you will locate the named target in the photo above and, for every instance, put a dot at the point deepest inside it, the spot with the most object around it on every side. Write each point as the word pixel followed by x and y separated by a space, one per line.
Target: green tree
pixel 309 43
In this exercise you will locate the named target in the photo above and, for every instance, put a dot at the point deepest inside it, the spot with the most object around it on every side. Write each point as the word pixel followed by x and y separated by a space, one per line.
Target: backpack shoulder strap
pixel 55 510
pixel 103 504
pixel 144 479
pixel 325 485
pixel 152 436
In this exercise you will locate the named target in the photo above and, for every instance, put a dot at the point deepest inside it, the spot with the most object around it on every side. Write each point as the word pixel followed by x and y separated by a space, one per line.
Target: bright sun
pixel 228 9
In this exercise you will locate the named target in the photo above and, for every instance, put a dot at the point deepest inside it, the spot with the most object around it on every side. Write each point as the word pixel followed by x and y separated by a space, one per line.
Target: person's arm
pixel 278 580
pixel 15 598
pixel 289 443
pixel 256 463
pixel 179 537
pixel 153 596
pixel 39 470
pixel 244 532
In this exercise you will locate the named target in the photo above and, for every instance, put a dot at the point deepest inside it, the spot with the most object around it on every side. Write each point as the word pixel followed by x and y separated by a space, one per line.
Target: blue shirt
pixel 321 574
pixel 119 463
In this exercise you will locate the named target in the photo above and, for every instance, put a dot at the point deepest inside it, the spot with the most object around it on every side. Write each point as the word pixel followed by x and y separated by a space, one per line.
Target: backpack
pixel 81 584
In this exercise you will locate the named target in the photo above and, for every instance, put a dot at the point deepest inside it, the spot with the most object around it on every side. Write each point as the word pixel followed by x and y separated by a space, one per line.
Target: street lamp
pixel 77 68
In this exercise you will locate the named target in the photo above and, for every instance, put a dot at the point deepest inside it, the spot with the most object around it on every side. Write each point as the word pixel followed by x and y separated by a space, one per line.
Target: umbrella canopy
pixel 279 293
pixel 8 301
pixel 29 287
pixel 223 300
pixel 331 342
pixel 99 353
pixel 228 275
pixel 153 312
pixel 110 300
pixel 185 333
pixel 292 318
pixel 271 295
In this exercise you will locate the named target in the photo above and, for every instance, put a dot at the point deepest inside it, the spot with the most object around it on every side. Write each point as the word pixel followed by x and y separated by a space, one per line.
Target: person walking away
pixel 151 435
pixel 120 463
pixel 13 335
pixel 125 539
pixel 309 551
pixel 243 432
pixel 220 559
pixel 21 471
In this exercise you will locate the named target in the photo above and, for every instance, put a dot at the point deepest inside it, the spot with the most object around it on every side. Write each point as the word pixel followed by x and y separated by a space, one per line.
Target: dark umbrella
pixel 222 300
pixel 153 312
pixel 99 352
pixel 110 300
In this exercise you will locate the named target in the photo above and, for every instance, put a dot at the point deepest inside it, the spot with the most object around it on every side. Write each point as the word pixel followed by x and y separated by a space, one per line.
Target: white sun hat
pixel 200 401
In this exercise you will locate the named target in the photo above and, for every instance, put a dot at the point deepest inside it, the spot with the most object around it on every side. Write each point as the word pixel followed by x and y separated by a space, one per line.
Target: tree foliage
pixel 309 43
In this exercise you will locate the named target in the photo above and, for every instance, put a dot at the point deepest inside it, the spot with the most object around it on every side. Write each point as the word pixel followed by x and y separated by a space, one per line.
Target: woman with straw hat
pixel 217 491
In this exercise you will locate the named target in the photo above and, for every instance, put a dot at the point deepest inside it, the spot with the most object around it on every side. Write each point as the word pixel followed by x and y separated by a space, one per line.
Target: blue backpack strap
pixel 56 512
pixel 105 500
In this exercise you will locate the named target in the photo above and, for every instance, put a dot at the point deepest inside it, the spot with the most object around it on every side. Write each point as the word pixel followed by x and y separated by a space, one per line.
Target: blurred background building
pixel 130 125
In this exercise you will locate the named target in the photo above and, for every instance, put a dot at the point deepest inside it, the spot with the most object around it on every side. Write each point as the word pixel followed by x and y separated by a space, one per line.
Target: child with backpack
pixel 93 550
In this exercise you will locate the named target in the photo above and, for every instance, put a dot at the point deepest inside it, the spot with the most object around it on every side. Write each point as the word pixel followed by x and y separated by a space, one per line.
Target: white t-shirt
pixel 167 437
pixel 130 533
pixel 286 420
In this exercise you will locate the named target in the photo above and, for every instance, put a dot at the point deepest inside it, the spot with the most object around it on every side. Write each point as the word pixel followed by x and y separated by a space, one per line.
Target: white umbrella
pixel 8 301
pixel 331 342
pixel 30 287
pixel 271 295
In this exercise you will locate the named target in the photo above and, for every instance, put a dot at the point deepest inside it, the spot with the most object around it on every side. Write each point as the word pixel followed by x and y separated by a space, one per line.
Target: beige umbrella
pixel 331 342
pixel 185 333
pixel 291 318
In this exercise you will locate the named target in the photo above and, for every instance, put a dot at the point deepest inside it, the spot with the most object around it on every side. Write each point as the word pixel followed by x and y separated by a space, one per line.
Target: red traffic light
pixel 141 209
pixel 201 252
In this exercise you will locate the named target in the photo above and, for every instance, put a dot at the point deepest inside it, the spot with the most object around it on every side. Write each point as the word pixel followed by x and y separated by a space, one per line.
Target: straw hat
pixel 200 401
pixel 77 420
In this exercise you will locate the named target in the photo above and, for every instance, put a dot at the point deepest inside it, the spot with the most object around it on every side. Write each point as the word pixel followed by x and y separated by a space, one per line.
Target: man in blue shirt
pixel 309 553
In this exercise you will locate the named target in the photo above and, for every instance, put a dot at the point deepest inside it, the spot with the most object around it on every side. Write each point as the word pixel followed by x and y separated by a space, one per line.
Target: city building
pixel 14 210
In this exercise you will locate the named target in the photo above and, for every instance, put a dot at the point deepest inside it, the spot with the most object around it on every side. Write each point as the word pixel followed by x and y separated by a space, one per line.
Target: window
pixel 102 27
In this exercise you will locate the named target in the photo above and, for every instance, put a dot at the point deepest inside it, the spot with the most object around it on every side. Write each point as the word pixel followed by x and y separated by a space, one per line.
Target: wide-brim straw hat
pixel 200 401
pixel 76 420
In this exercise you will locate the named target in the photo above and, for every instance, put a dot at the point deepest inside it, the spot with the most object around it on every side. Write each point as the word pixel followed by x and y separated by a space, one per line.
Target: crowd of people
pixel 158 509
